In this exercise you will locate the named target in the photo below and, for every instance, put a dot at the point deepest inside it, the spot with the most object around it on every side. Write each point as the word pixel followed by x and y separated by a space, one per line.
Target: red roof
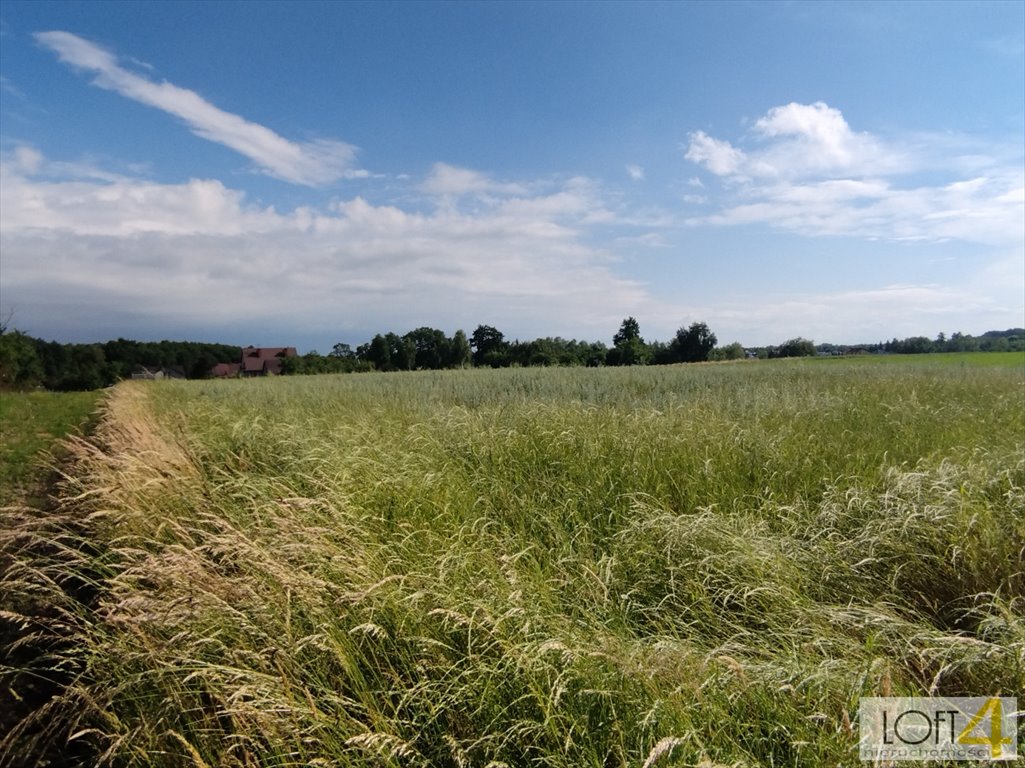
pixel 226 370
pixel 257 360
pixel 266 353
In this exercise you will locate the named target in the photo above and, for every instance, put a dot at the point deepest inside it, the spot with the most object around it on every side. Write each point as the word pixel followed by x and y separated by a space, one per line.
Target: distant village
pixel 255 361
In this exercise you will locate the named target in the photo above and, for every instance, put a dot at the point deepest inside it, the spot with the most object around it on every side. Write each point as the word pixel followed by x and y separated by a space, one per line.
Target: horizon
pixel 516 340
pixel 305 174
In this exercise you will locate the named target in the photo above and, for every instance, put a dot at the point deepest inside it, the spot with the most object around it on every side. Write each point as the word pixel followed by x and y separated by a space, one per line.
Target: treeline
pixel 431 349
pixel 30 363
pixel 1011 340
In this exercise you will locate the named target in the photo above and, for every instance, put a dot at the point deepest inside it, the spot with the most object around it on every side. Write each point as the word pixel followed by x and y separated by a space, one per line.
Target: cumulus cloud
pixel 810 173
pixel 311 163
pixel 200 253
pixel 795 140
pixel 720 157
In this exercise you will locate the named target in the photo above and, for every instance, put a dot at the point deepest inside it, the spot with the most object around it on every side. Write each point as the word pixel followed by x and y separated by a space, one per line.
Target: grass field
pixel 30 424
pixel 701 565
pixel 956 359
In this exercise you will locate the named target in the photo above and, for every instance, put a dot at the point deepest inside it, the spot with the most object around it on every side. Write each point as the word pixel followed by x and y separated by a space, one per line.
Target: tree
pixel 459 350
pixel 86 369
pixel 430 348
pixel 594 354
pixel 630 330
pixel 379 353
pixel 730 352
pixel 20 367
pixel 489 346
pixel 293 365
pixel 344 351
pixel 693 344
pixel 631 352
pixel 203 365
pixel 799 348
pixel 404 352
pixel 628 348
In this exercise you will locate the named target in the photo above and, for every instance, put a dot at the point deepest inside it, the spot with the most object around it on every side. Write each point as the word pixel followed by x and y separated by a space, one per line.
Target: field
pixel 699 565
pixel 30 423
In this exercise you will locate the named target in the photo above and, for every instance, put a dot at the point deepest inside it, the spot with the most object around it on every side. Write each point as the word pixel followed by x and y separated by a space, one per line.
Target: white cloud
pixel 1007 47
pixel 199 254
pixel 635 172
pixel 811 174
pixel 312 163
pixel 649 240
pixel 450 180
pixel 864 315
pixel 720 157
pixel 26 159
pixel 987 210
pixel 6 86
pixel 815 128
pixel 123 206
pixel 797 140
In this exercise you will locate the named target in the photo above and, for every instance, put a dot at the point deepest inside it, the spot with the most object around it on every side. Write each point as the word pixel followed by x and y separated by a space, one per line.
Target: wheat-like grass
pixel 693 565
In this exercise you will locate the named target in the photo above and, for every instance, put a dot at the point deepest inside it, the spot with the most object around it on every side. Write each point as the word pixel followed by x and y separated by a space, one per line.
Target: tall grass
pixel 689 565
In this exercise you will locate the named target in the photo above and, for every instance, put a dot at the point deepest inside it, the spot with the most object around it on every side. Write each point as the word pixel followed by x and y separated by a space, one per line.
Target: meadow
pixel 691 565
pixel 30 424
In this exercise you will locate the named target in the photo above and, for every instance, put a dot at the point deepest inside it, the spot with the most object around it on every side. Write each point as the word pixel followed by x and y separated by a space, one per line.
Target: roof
pixel 226 369
pixel 257 360
pixel 143 372
pixel 266 353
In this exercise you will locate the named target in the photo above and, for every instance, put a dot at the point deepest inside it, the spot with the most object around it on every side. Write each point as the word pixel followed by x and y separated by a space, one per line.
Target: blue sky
pixel 303 174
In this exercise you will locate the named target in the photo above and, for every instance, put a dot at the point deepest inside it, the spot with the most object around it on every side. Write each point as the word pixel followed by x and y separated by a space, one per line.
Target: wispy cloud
pixel 312 163
pixel 884 312
pixel 635 172
pixel 1008 47
pixel 450 180
pixel 6 86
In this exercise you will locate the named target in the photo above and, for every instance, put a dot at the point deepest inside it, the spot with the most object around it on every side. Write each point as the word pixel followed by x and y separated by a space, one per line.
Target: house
pixel 263 361
pixel 143 373
pixel 256 361
pixel 226 370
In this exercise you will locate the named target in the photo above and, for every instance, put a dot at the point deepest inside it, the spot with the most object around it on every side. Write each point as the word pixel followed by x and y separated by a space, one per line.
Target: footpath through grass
pixel 687 565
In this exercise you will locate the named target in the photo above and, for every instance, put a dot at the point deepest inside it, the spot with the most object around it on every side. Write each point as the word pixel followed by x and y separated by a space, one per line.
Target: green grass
pixel 965 359
pixel 686 565
pixel 30 424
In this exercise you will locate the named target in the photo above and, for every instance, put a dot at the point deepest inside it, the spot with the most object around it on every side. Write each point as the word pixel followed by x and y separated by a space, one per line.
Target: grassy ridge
pixel 671 566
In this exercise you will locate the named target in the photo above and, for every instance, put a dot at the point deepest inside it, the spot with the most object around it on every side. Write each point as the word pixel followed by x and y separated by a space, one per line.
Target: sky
pixel 303 174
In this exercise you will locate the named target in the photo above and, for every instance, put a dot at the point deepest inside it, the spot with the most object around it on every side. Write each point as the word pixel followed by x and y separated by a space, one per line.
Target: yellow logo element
pixel 993 709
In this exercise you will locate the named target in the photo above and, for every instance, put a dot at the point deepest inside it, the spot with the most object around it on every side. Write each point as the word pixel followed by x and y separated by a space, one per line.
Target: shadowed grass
pixel 670 566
